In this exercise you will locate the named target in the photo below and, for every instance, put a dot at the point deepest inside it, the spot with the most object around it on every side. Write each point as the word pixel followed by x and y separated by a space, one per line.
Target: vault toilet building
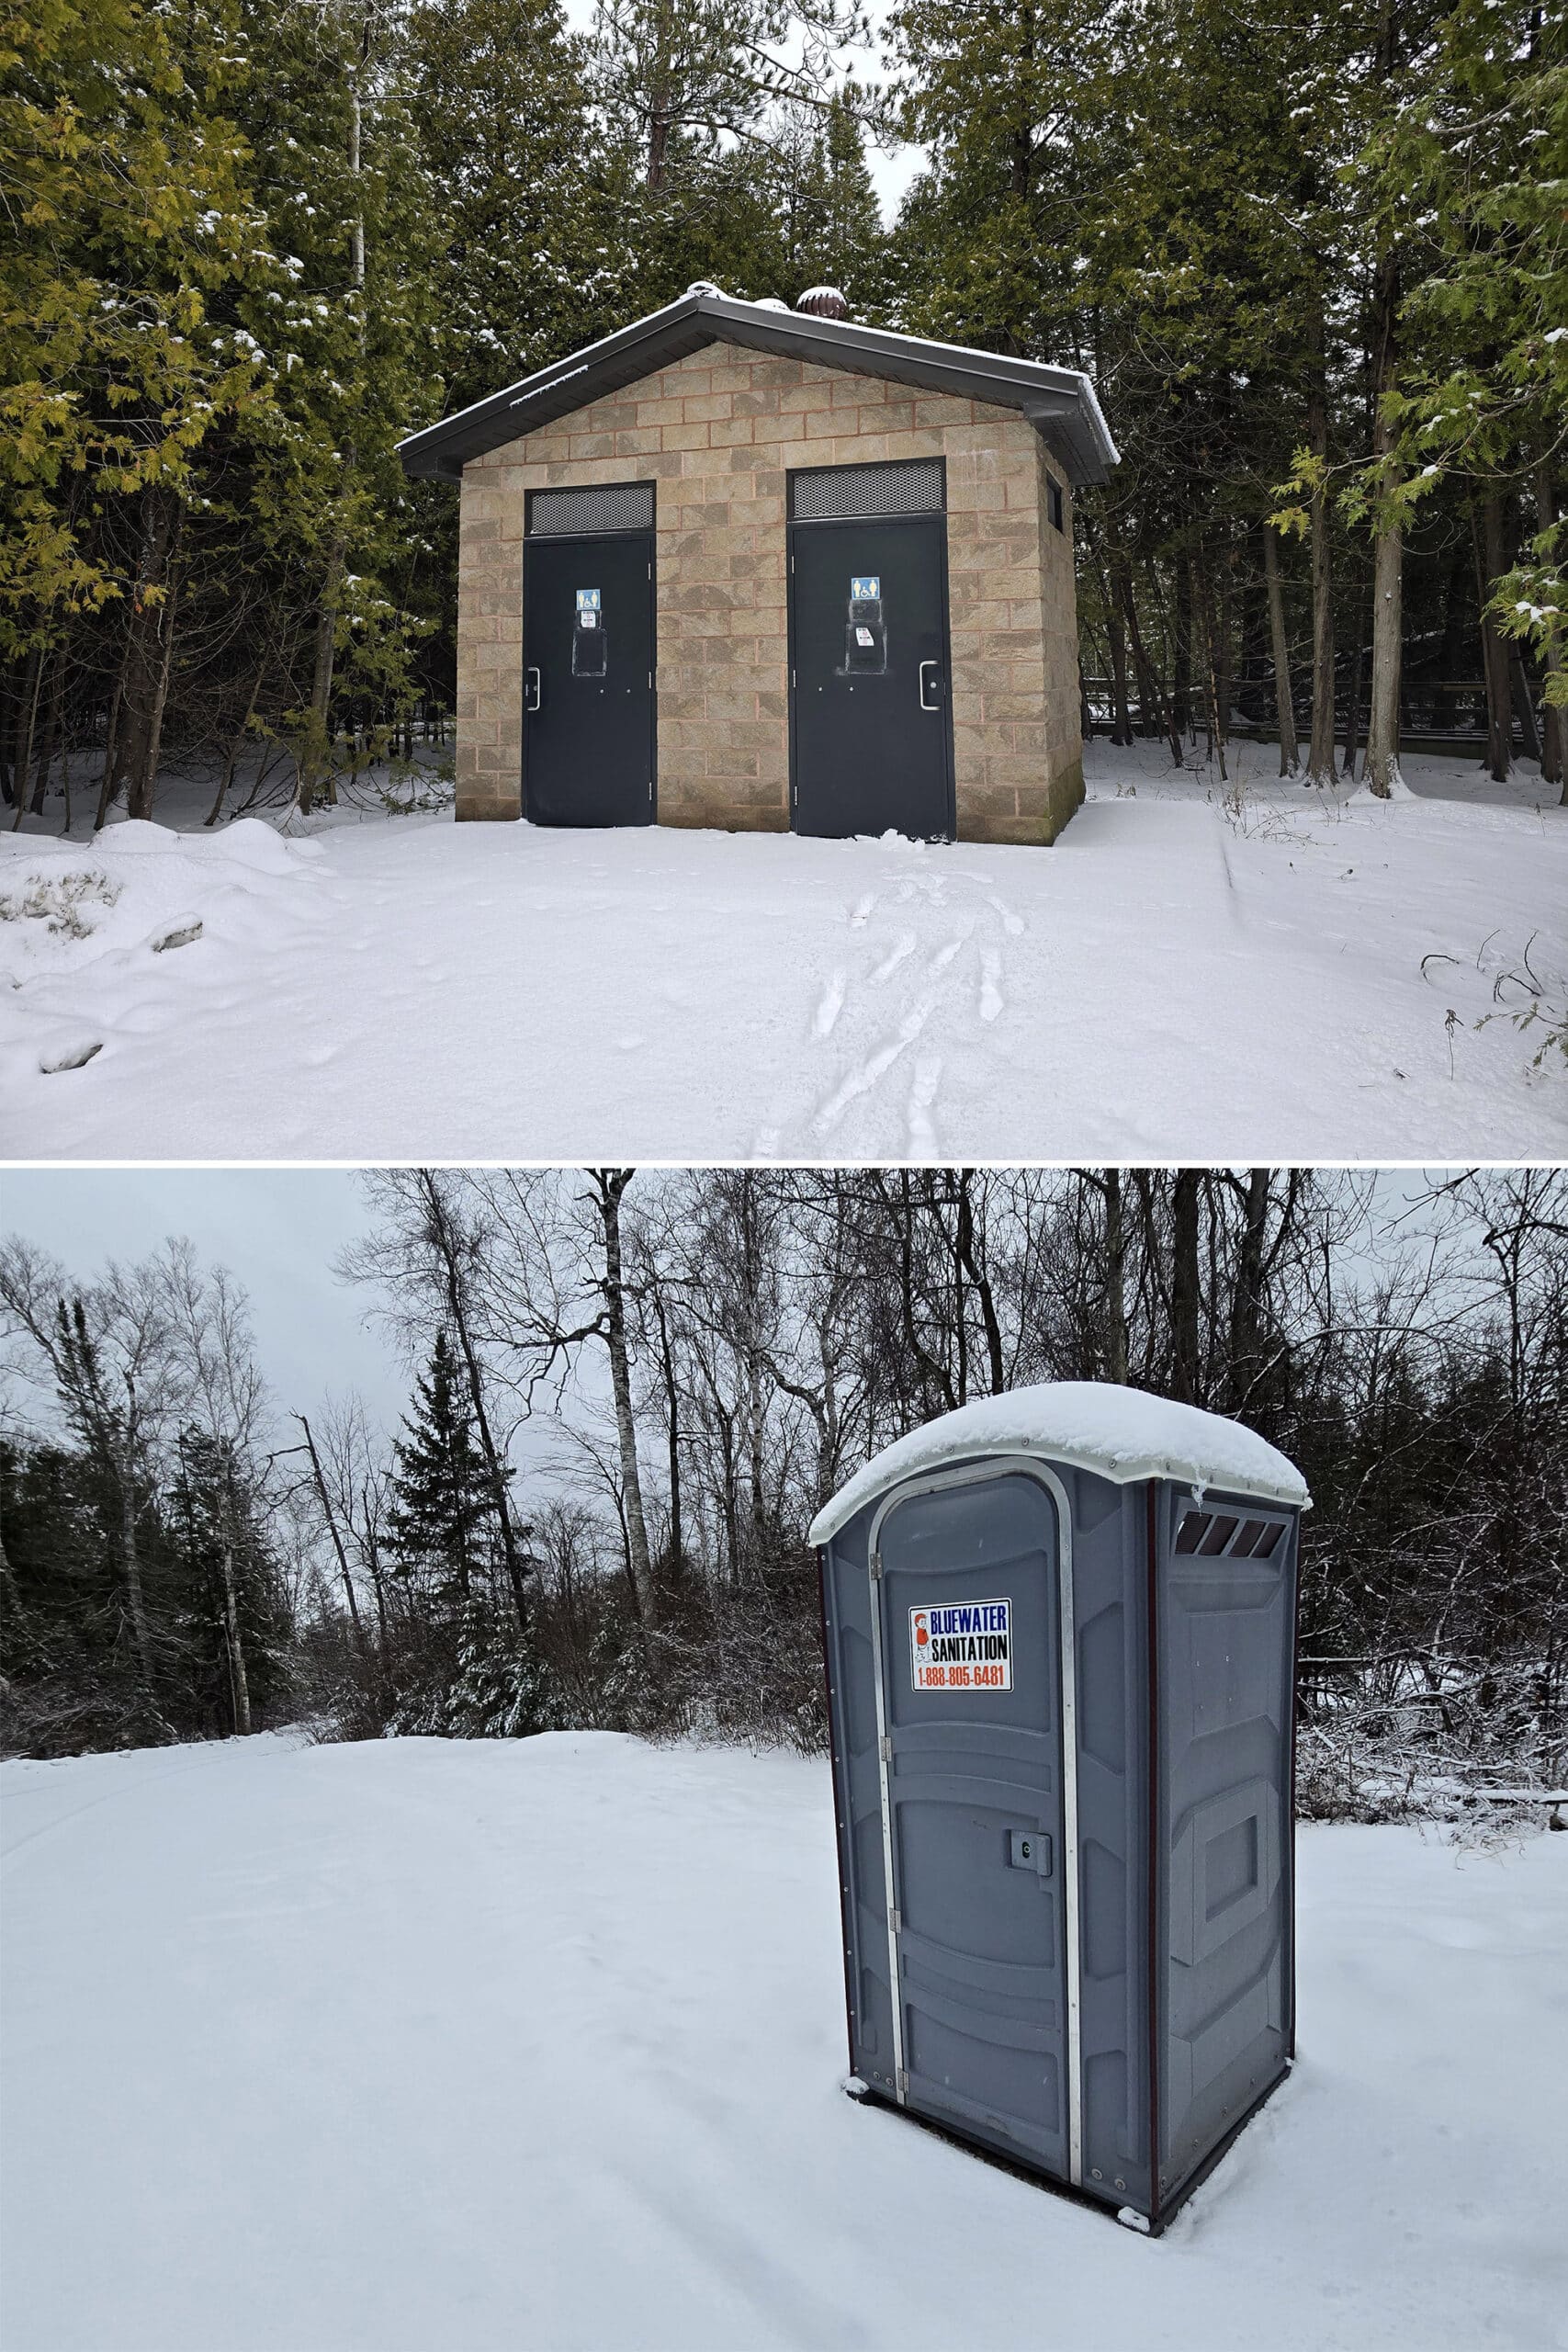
pixel 1060 1635
pixel 743 566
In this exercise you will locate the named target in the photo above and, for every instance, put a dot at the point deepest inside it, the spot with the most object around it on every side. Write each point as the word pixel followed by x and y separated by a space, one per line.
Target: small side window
pixel 1192 1530
pixel 1056 505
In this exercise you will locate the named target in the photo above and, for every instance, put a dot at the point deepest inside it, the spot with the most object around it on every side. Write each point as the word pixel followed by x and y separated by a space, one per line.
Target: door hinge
pixel 903 2080
pixel 897 1921
pixel 885 1746
pixel 875 1566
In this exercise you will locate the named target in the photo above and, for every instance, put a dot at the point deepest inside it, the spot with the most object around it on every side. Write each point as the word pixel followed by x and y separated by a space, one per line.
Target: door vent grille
pixel 568 513
pixel 913 486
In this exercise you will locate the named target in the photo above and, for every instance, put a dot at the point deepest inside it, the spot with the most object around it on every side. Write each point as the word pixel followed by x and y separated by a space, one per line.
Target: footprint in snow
pixel 833 1004
pixel 990 987
pixel 922 1094
pixel 890 964
pixel 76 1059
pixel 861 911
pixel 861 1081
pixel 944 957
pixel 1013 924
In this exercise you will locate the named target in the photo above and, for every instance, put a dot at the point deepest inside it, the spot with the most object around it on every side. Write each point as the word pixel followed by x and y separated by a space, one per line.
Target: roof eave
pixel 1065 411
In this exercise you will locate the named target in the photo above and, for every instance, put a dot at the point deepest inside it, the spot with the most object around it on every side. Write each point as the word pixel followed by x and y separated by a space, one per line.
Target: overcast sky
pixel 278 1229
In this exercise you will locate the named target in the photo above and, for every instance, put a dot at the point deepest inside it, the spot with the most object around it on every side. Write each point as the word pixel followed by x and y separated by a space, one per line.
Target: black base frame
pixel 1170 2204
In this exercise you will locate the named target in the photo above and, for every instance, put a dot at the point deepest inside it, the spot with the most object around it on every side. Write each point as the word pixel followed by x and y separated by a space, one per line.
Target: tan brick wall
pixel 717 432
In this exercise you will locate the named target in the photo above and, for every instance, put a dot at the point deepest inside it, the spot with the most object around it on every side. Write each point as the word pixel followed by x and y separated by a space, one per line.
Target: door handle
pixel 935 669
pixel 532 692
pixel 1029 1850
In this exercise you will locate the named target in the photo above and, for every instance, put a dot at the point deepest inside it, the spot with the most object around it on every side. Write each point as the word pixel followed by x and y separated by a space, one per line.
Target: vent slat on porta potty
pixel 1059 1638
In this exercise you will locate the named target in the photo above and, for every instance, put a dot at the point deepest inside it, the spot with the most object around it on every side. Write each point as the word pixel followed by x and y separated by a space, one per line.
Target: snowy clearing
pixel 421 2043
pixel 1182 976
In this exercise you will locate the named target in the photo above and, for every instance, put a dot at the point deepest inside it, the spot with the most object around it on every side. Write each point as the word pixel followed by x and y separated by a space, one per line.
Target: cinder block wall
pixel 717 431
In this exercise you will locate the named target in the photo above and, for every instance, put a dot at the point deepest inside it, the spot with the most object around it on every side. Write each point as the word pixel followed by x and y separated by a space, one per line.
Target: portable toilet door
pixel 1059 1683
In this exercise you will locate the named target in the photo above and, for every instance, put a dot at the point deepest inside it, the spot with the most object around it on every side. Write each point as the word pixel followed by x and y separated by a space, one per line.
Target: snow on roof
pixel 1122 1433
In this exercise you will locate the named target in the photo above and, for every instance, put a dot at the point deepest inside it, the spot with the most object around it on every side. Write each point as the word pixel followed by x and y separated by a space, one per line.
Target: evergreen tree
pixel 442 1499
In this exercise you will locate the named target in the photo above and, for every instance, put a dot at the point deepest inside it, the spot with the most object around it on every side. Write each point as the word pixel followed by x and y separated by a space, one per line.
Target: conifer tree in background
pixel 1481 143
pixel 128 218
pixel 475 1674
pixel 441 1491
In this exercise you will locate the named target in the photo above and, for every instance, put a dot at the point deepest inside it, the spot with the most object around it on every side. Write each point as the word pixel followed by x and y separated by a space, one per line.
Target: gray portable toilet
pixel 1059 1628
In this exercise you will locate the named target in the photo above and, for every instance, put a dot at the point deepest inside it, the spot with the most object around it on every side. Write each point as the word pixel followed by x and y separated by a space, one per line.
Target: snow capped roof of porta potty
pixel 1122 1433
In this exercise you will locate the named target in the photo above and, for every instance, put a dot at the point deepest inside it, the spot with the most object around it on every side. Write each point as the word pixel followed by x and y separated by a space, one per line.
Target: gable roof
pixel 1057 401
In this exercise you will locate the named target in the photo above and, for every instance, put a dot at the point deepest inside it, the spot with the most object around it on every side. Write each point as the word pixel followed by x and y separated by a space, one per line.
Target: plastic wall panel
pixel 1225 1663
pixel 858 1798
pixel 1109 1587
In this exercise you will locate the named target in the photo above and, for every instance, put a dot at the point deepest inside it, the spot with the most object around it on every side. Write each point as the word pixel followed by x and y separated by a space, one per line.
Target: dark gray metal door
pixel 588 680
pixel 969 1619
pixel 870 739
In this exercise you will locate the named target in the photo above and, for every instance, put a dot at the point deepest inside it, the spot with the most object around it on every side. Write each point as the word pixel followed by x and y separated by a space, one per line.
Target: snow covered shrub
pixel 1425 1740
pixel 56 900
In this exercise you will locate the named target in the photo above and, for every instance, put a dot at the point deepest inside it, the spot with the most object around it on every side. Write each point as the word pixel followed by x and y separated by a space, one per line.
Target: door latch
pixel 930 685
pixel 532 696
pixel 1029 1850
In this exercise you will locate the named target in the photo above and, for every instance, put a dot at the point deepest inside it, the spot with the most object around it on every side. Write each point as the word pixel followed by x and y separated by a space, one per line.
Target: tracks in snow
pixel 922 978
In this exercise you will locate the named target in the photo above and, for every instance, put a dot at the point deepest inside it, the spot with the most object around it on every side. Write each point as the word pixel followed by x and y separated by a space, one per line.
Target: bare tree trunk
pixel 148 651
pixel 1184 1285
pixel 1493 562
pixel 111 752
pixel 1182 699
pixel 331 1517
pixel 1353 711
pixel 1388 550
pixel 1320 753
pixel 1110 1184
pixel 1204 600
pixel 1290 759
pixel 675 1553
pixel 979 1281
pixel 1554 724
pixel 25 737
pixel 611 1184
pixel 130 1557
pixel 239 1681
pixel 1154 715
pixel 51 728
pixel 1121 716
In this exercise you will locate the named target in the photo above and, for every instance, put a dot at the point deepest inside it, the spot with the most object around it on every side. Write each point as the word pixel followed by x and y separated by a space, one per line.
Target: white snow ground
pixel 1178 978
pixel 451 2047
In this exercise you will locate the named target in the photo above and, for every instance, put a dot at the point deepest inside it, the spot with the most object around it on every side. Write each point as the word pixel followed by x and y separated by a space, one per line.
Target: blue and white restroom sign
pixel 588 608
pixel 867 590
pixel 961 1645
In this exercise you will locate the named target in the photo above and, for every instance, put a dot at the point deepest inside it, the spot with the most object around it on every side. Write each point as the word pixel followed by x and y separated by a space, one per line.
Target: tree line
pixel 630 1392
pixel 1311 255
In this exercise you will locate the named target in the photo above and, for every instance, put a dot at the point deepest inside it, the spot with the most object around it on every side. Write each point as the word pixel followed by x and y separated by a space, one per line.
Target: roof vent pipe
pixel 823 302
pixel 769 302
pixel 704 286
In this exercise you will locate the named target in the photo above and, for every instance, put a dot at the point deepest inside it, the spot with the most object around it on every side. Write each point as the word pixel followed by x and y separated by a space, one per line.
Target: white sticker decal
pixel 961 1645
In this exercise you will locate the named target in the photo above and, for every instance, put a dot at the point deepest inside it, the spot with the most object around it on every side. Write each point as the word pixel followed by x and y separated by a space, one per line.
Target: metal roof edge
pixel 1056 399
